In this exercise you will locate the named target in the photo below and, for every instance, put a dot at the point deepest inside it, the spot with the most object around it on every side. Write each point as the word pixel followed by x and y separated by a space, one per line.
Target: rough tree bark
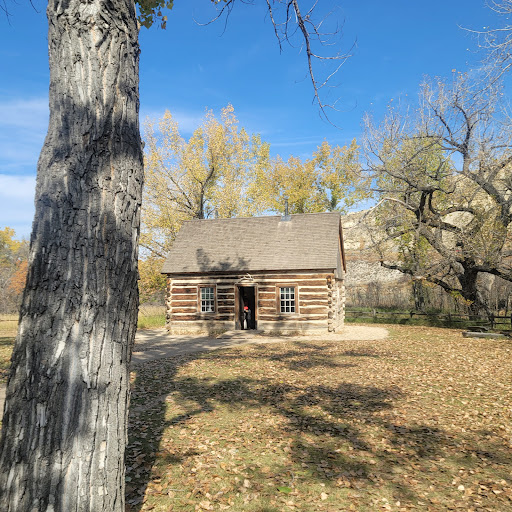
pixel 64 424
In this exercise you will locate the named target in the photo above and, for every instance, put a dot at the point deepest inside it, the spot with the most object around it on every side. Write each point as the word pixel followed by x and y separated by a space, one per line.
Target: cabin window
pixel 207 299
pixel 287 299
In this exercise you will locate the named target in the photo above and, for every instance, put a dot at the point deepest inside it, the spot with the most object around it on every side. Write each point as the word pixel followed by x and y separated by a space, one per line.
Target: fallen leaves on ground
pixel 6 346
pixel 419 421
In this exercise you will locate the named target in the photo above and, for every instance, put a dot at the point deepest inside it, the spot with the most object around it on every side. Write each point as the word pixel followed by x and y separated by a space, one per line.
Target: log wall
pixel 336 300
pixel 319 302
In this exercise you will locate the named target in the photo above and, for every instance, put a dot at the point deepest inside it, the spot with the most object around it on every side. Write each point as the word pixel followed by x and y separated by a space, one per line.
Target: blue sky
pixel 188 68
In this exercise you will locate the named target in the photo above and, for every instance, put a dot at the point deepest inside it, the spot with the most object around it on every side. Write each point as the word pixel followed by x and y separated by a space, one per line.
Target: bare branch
pixel 271 14
pixel 496 42
pixel 443 180
pixel 432 279
pixel 227 7
pixel 153 250
pixel 294 22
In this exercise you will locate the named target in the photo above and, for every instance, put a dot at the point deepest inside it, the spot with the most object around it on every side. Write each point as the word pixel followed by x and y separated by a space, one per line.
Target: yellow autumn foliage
pixel 224 171
pixel 205 176
pixel 330 180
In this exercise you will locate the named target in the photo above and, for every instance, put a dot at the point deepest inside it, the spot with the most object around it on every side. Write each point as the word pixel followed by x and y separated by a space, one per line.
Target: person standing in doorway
pixel 247 316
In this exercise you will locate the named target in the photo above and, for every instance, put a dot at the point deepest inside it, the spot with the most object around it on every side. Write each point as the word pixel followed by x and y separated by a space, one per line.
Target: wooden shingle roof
pixel 306 241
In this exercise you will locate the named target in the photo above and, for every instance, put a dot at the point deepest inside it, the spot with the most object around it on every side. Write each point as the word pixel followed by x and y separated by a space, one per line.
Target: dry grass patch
pixel 420 421
pixel 8 327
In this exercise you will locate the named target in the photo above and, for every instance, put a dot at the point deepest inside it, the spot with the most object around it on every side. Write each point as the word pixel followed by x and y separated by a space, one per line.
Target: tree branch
pixel 309 31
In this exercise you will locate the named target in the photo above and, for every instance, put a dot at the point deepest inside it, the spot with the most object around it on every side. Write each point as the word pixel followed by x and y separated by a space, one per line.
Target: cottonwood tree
pixel 151 280
pixel 13 269
pixel 222 170
pixel 65 416
pixel 444 184
pixel 497 41
pixel 205 176
pixel 330 180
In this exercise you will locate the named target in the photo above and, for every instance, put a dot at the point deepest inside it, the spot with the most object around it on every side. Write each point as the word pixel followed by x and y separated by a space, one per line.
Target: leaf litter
pixel 419 421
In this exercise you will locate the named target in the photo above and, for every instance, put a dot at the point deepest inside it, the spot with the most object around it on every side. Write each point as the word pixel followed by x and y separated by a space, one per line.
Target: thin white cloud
pixel 19 187
pixel 30 114
pixel 17 203
pixel 16 152
pixel 23 126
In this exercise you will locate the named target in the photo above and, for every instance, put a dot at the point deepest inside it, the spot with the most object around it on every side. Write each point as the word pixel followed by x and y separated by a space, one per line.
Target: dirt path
pixel 151 344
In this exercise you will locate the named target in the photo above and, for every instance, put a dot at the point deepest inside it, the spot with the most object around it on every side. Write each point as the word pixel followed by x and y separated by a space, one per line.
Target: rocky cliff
pixel 363 265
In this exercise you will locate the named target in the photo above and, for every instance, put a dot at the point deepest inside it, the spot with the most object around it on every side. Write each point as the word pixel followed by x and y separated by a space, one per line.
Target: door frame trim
pixel 239 285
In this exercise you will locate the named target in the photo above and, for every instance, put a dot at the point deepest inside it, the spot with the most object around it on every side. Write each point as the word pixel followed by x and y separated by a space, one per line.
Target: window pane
pixel 287 299
pixel 207 299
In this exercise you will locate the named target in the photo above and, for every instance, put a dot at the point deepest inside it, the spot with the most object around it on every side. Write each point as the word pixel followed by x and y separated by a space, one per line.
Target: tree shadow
pixel 327 424
pixel 295 359
pixel 292 403
pixel 207 263
pixel 6 341
pixel 361 353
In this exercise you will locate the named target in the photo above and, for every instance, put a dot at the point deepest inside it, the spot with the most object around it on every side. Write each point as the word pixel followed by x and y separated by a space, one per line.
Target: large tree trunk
pixel 419 293
pixel 65 418
pixel 471 293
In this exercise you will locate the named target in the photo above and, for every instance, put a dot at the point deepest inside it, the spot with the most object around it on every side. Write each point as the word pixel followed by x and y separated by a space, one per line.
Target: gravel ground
pixel 153 344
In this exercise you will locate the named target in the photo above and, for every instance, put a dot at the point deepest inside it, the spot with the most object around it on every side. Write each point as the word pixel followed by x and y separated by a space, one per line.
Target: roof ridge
pixel 264 216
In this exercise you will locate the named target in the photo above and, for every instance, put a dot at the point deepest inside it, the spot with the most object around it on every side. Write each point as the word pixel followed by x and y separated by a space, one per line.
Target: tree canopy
pixel 13 269
pixel 330 180
pixel 210 174
pixel 224 171
pixel 443 180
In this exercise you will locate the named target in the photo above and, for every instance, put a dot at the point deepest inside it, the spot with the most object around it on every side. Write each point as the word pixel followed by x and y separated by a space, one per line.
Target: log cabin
pixel 276 274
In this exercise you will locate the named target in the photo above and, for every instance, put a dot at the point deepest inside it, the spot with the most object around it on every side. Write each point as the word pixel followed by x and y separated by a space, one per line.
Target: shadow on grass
pixel 325 424
pixel 337 407
pixel 7 341
pixel 293 359
pixel 361 353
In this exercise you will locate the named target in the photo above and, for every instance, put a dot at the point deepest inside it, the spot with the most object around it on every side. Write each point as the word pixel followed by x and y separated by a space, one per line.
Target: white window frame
pixel 207 300
pixel 287 299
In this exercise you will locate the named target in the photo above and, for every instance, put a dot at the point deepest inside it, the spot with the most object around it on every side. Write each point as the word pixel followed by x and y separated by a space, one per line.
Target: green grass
pixel 151 317
pixel 151 322
pixel 429 320
pixel 419 421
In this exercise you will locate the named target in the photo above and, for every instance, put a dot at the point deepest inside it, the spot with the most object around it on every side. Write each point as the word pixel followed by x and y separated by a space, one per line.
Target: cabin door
pixel 246 310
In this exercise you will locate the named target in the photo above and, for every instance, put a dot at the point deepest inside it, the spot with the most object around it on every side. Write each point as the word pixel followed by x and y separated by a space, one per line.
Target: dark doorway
pixel 247 307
